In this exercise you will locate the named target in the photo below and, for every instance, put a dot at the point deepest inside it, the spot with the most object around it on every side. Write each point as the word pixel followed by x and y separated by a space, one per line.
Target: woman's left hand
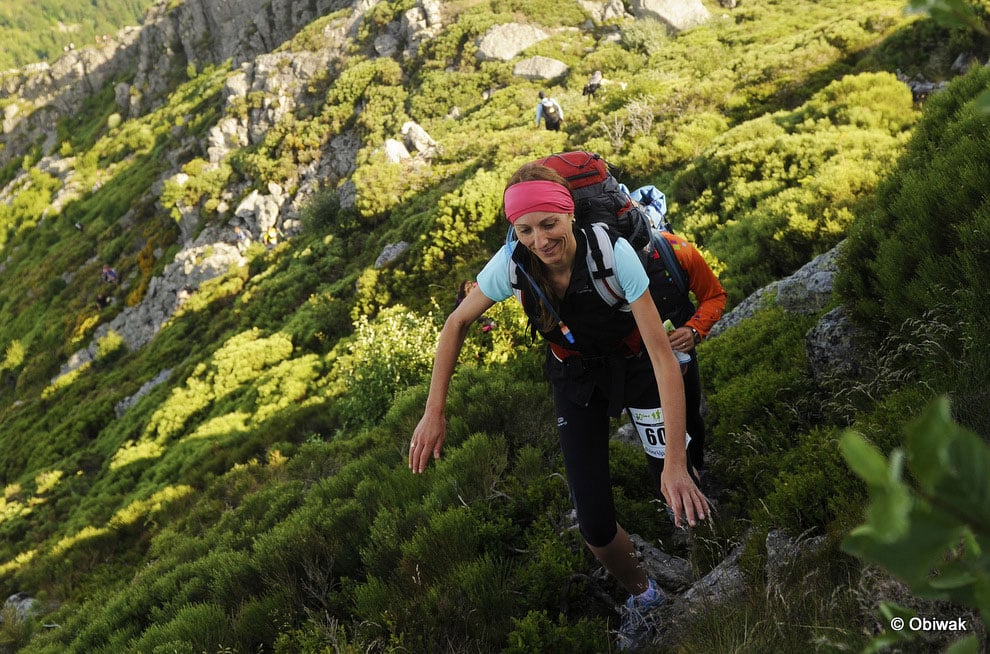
pixel 683 497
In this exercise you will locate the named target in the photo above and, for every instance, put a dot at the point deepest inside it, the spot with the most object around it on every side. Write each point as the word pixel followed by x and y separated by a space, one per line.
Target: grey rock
pixel 679 15
pixel 670 572
pixel 21 605
pixel 395 151
pixel 386 44
pixel 540 68
pixel 807 291
pixel 391 252
pixel 417 139
pixel 504 42
pixel 121 407
pixel 834 346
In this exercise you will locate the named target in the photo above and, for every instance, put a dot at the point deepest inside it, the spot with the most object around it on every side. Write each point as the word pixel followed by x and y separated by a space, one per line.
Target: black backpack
pixel 599 198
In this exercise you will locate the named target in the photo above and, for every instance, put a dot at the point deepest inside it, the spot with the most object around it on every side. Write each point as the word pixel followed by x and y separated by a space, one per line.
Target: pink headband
pixel 537 195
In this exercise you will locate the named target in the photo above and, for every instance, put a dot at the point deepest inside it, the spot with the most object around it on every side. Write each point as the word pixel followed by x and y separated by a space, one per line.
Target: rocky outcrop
pixel 166 294
pixel 39 95
pixel 540 68
pixel 834 345
pixel 504 42
pixel 174 35
pixel 609 10
pixel 806 291
pixel 679 15
pixel 723 585
pixel 205 33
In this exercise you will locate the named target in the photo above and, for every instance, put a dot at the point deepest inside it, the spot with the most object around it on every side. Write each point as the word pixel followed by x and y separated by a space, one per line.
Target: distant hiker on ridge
pixel 550 111
pixel 592 86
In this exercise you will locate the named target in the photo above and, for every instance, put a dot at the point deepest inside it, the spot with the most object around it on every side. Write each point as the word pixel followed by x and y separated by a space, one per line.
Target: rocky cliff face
pixel 142 62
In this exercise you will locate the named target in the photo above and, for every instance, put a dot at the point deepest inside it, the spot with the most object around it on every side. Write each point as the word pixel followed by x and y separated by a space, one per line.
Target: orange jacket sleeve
pixel 708 291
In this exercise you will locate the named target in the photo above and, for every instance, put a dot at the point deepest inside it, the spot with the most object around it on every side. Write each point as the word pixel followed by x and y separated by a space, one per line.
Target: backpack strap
pixel 518 278
pixel 666 251
pixel 514 280
pixel 601 266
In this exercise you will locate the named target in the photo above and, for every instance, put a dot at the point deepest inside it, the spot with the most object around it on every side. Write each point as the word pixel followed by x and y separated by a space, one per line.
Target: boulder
pixel 670 572
pixel 834 346
pixel 395 151
pixel 391 252
pixel 20 604
pixel 417 139
pixel 504 42
pixel 679 15
pixel 540 68
pixel 807 291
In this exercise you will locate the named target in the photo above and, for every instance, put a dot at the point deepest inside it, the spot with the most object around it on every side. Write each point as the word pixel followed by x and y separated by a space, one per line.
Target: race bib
pixel 650 427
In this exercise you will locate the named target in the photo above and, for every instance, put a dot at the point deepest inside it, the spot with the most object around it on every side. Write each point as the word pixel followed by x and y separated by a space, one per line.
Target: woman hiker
pixel 599 361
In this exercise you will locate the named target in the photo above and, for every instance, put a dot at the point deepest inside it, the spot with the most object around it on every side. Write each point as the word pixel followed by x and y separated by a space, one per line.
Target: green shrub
pixel 747 370
pixel 770 194
pixel 380 187
pixel 811 487
pixel 386 354
pixel 941 175
pixel 110 347
pixel 646 36
pixel 456 45
pixel 195 628
pixel 538 633
pixel 461 218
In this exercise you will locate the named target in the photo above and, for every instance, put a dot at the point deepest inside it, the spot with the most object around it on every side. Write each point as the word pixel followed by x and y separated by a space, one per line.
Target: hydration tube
pixel 511 244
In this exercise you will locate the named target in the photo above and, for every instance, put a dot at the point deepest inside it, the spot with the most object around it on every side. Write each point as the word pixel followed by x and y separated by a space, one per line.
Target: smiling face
pixel 549 236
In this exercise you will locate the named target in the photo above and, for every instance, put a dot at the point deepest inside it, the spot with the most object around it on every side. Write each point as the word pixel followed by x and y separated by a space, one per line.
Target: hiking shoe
pixel 638 622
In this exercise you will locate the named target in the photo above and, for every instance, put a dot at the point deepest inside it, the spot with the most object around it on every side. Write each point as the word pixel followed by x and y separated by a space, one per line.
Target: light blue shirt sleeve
pixel 629 271
pixel 539 112
pixel 493 280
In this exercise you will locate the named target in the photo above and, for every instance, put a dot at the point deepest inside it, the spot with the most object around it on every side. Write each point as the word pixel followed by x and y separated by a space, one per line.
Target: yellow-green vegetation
pixel 239 483
pixel 40 31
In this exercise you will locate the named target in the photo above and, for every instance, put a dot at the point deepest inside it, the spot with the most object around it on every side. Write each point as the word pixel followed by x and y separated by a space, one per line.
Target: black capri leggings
pixel 584 437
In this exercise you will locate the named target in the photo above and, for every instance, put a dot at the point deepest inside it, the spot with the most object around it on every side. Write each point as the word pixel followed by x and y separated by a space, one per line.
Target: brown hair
pixel 531 172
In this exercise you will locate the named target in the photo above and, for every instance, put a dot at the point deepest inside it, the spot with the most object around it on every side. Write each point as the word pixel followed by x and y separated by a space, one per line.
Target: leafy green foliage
pixel 771 192
pixel 388 353
pixel 931 533
pixel 932 201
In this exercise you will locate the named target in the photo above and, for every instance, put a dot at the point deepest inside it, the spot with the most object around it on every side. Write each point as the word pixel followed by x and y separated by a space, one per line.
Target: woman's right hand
pixel 427 438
